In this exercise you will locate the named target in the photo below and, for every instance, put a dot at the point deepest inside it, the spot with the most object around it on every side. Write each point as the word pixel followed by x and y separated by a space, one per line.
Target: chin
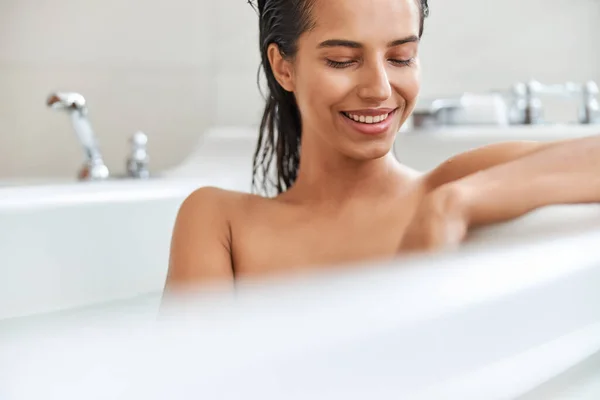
pixel 370 151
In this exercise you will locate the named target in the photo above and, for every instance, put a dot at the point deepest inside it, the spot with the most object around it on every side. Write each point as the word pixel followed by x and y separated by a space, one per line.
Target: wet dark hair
pixel 282 22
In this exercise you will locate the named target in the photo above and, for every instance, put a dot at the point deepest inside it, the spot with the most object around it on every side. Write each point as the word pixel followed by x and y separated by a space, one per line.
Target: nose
pixel 374 86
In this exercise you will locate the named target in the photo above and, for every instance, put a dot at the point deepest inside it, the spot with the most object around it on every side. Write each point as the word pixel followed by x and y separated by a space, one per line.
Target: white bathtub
pixel 422 150
pixel 513 323
pixel 74 245
pixel 509 315
pixel 66 246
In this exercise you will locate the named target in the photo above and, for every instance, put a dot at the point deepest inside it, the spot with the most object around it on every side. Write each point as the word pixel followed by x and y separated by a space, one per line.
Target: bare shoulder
pixel 201 239
pixel 218 205
pixel 209 198
pixel 481 158
pixel 208 207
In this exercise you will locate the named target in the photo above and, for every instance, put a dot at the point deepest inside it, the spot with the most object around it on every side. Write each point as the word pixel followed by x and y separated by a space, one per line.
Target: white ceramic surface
pixel 425 149
pixel 71 245
pixel 65 246
pixel 494 324
pixel 234 147
pixel 509 314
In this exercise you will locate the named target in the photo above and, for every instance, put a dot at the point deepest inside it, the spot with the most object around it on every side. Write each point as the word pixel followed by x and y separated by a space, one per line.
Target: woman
pixel 343 77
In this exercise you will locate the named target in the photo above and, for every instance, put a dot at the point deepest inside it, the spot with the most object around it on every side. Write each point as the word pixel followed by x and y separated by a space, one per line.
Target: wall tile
pixel 173 107
pixel 239 101
pixel 485 45
pixel 175 69
pixel 236 46
pixel 108 33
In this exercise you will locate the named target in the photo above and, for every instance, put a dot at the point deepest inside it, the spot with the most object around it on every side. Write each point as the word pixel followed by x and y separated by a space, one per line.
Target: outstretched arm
pixel 565 173
pixel 502 182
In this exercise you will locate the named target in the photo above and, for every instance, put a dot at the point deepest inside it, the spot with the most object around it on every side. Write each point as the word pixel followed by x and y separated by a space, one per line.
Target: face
pixel 356 74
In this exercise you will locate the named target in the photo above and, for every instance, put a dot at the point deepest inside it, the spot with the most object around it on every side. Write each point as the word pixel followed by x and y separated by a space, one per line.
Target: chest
pixel 299 241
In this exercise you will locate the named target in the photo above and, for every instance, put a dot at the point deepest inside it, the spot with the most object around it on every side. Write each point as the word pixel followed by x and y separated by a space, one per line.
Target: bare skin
pixel 218 232
pixel 352 201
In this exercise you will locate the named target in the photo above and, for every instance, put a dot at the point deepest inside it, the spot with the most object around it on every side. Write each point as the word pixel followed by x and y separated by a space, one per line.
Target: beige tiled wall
pixel 479 45
pixel 146 65
pixel 173 69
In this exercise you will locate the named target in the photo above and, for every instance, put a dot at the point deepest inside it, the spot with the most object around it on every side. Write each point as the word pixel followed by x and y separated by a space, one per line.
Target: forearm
pixel 568 173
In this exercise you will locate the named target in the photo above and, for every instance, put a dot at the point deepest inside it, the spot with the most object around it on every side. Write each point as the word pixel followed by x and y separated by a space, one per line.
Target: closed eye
pixel 339 64
pixel 345 64
pixel 402 63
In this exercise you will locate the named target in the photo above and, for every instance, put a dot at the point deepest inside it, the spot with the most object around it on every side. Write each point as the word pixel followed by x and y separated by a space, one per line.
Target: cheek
pixel 408 84
pixel 320 89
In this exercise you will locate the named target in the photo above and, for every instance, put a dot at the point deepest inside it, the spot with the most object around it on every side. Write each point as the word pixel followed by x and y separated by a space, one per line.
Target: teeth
pixel 368 119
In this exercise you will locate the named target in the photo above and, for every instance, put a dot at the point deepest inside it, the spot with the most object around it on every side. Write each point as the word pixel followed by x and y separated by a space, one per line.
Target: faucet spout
pixel 75 105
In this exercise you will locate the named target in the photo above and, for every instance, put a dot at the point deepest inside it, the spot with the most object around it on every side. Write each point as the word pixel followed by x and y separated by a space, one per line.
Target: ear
pixel 282 68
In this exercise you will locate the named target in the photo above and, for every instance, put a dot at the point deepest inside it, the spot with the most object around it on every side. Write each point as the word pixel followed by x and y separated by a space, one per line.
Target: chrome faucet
pixel 590 109
pixel 437 113
pixel 534 110
pixel 94 167
pixel 75 104
pixel 137 163
pixel 527 107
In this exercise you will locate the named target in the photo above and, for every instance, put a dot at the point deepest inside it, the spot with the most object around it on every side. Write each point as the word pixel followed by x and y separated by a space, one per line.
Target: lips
pixel 371 111
pixel 369 116
pixel 370 121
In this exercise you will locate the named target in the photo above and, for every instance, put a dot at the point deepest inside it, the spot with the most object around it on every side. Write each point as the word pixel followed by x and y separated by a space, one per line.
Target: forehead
pixel 365 20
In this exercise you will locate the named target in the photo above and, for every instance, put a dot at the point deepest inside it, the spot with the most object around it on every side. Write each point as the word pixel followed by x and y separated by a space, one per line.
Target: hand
pixel 439 222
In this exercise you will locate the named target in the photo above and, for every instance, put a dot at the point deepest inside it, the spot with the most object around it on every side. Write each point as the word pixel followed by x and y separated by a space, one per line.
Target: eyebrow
pixel 356 45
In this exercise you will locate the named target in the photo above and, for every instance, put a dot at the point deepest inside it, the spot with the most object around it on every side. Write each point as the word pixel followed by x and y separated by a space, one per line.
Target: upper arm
pixel 480 159
pixel 201 241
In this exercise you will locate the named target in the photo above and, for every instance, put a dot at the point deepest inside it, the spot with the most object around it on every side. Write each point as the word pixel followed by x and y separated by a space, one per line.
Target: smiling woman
pixel 317 38
pixel 343 77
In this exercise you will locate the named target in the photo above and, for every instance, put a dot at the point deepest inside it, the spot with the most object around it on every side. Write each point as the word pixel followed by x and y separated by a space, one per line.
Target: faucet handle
pixel 527 107
pixel 591 87
pixel 137 163
pixel 139 140
pixel 590 109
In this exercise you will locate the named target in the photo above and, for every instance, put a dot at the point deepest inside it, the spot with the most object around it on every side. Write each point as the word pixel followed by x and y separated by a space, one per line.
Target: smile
pixel 370 116
pixel 370 122
pixel 367 119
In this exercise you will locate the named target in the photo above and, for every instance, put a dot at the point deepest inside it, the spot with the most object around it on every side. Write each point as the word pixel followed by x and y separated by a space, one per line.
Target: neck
pixel 336 179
